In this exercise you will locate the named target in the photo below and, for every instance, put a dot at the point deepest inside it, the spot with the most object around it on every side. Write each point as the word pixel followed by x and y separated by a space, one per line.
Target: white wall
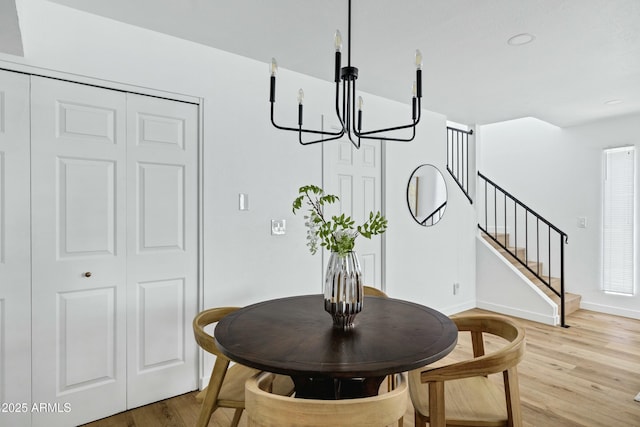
pixel 243 153
pixel 502 288
pixel 423 263
pixel 558 173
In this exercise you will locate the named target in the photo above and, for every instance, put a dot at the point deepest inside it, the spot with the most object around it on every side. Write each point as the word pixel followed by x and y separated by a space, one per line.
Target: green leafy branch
pixel 336 234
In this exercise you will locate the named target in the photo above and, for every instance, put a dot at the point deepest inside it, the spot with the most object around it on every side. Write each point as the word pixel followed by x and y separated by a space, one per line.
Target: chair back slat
pixel 266 409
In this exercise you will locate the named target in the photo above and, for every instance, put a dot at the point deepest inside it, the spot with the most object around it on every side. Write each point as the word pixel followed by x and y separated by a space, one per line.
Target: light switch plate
pixel 243 202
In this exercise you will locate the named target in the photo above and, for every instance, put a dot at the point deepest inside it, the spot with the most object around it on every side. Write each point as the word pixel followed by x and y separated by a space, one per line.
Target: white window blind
pixel 618 220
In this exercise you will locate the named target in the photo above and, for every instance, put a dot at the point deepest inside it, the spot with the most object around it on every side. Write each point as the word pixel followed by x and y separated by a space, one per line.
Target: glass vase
pixel 343 292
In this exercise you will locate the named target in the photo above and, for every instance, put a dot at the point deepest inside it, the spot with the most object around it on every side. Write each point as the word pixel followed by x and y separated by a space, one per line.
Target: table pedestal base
pixel 329 388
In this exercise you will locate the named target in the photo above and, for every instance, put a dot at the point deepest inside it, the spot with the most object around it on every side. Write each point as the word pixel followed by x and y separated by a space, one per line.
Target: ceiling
pixel 583 64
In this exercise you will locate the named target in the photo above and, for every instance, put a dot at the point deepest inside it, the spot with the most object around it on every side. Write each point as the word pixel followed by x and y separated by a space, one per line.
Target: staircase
pixel 501 212
pixel 571 301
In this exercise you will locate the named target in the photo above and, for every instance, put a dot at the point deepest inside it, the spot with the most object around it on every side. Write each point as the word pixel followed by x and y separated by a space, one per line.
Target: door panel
pixel 162 248
pixel 89 123
pixel 79 257
pixel 355 177
pixel 161 311
pixel 161 189
pixel 86 205
pixel 15 263
pixel 86 345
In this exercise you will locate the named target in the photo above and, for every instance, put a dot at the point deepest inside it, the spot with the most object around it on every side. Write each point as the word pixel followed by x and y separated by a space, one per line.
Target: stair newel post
pixel 562 241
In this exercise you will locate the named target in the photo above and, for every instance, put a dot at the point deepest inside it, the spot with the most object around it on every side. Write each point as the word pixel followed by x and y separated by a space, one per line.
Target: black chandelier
pixel 350 120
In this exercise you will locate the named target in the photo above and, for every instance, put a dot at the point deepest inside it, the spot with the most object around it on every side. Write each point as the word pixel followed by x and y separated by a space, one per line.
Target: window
pixel 618 220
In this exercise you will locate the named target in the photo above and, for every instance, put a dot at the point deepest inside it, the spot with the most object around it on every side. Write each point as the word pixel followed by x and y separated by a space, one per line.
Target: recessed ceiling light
pixel 521 39
pixel 613 102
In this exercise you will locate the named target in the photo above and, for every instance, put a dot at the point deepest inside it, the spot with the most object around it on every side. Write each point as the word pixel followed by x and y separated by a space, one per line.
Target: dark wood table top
pixel 295 336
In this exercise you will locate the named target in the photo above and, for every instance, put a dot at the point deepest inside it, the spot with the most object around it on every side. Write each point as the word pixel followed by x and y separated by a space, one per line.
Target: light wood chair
pixel 268 409
pixel 375 292
pixel 226 384
pixel 462 394
pixel 371 291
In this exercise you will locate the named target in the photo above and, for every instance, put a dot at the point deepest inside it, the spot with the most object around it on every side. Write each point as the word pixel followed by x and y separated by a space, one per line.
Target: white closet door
pixel 15 262
pixel 79 254
pixel 162 248
pixel 355 176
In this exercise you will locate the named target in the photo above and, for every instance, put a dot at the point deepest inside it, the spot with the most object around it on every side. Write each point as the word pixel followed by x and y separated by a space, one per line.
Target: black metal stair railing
pixel 532 235
pixel 458 158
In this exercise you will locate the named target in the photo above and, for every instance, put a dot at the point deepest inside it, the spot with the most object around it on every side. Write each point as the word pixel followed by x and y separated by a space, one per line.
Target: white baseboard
pixel 523 314
pixel 454 309
pixel 617 311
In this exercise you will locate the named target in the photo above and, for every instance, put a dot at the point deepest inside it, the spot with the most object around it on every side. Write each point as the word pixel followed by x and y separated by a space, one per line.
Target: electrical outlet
pixel 456 288
pixel 278 227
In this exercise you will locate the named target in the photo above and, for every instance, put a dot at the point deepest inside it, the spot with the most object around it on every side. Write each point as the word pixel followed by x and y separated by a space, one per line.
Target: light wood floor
pixel 586 375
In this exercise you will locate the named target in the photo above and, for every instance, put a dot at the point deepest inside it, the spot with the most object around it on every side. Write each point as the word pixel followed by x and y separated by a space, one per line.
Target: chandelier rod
pixel 349 36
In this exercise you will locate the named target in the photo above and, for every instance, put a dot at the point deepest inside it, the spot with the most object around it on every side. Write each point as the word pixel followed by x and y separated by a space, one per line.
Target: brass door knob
pixel 87 274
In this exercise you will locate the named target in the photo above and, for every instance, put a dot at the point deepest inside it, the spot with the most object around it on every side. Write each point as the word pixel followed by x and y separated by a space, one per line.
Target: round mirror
pixel 427 195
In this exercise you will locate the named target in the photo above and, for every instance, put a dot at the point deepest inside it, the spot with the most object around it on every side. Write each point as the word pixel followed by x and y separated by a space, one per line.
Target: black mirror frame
pixel 442 207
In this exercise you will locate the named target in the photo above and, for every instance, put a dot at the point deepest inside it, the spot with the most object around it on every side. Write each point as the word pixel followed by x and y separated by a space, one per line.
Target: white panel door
pixel 355 177
pixel 15 262
pixel 162 248
pixel 79 254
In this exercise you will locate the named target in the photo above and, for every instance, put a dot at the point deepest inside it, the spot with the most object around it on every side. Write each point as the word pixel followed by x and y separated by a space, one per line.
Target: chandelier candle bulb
pixel 337 41
pixel 300 99
pixel 418 59
pixel 273 68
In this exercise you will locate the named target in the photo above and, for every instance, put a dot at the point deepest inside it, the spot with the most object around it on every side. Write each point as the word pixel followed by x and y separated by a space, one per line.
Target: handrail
pixel 528 212
pixel 458 145
pixel 526 207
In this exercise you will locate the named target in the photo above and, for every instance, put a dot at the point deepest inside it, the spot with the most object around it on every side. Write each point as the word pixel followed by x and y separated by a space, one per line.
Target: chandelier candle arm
pixel 360 102
pixel 413 101
pixel 273 68
pixel 350 118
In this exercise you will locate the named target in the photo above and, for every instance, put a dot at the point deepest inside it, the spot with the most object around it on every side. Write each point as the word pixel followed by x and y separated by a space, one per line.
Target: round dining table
pixel 295 336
